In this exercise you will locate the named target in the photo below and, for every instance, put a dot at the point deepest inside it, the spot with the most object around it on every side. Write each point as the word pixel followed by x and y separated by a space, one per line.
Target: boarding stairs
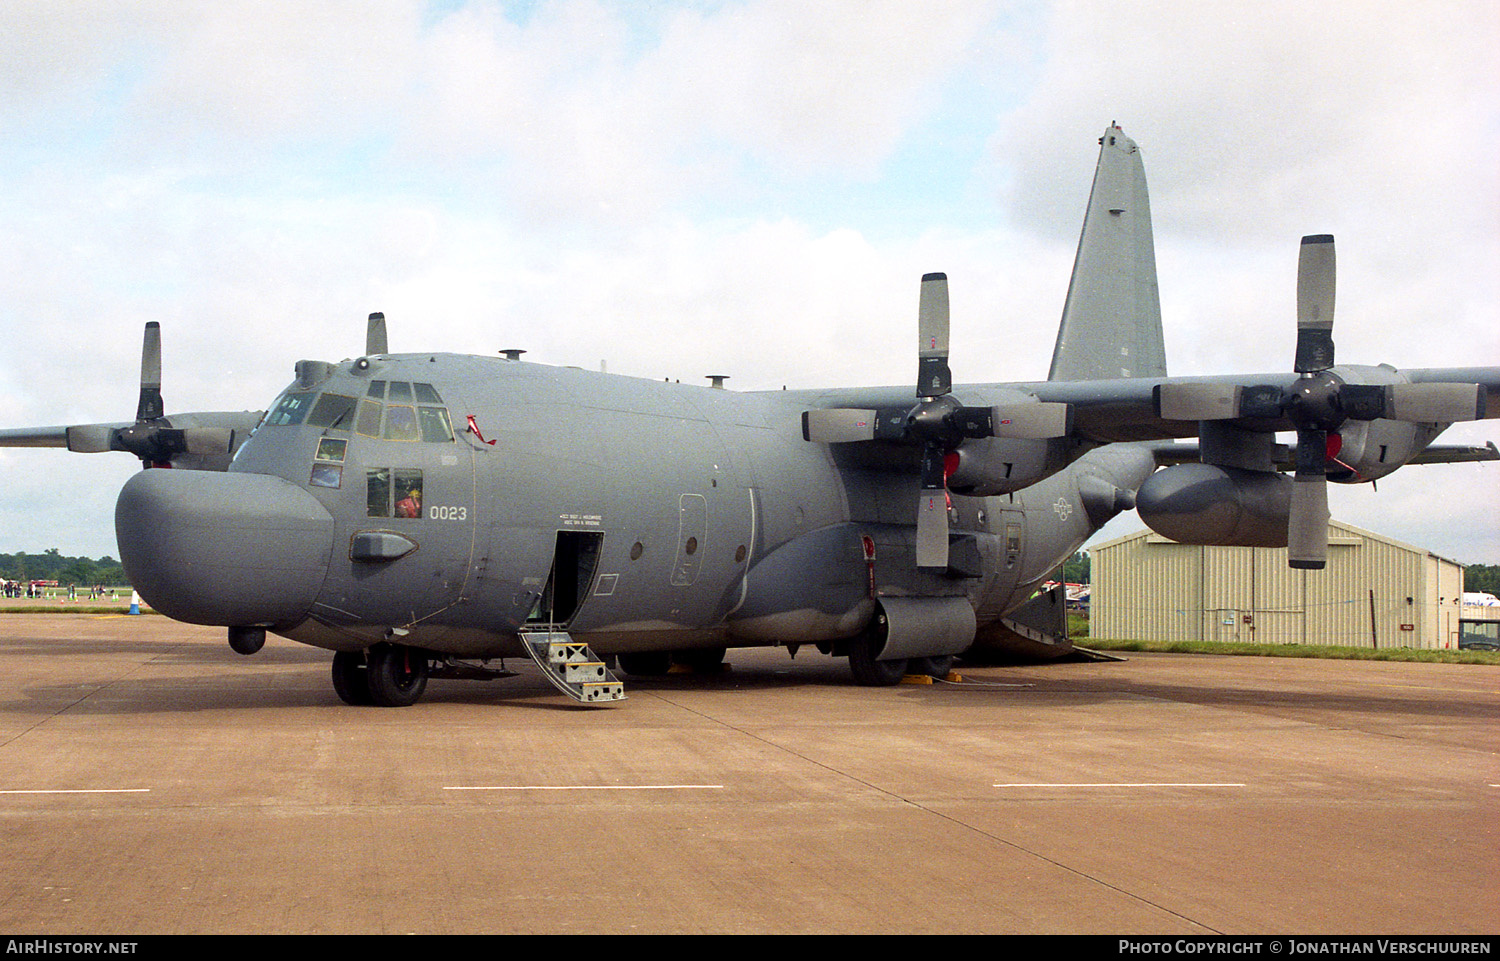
pixel 572 667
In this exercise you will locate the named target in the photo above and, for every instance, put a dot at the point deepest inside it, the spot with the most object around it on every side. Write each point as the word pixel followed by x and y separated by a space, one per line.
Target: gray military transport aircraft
pixel 430 515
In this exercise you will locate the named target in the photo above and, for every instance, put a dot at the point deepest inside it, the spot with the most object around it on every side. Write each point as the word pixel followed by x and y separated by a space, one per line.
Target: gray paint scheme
pixel 1111 323
pixel 647 517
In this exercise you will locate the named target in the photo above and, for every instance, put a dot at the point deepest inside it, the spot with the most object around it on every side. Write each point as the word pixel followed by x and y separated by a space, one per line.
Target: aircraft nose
pixel 223 548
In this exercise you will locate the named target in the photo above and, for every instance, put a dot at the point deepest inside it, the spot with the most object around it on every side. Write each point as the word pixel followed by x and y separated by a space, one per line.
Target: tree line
pixel 50 565
pixel 1482 577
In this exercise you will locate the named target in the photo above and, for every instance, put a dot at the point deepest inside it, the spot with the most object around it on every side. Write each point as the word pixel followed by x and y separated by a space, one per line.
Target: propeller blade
pixel 150 406
pixel 1435 403
pixel 1413 403
pixel 375 342
pixel 932 509
pixel 1307 527
pixel 1307 524
pixel 207 440
pixel 934 379
pixel 932 530
pixel 91 438
pixel 1315 289
pixel 838 425
pixel 1019 421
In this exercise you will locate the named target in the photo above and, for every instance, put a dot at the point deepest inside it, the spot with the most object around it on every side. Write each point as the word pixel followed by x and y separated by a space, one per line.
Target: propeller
pixel 375 340
pixel 1318 403
pixel 937 421
pixel 152 437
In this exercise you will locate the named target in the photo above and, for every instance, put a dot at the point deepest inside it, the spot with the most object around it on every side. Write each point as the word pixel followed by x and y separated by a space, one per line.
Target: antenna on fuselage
pixel 512 353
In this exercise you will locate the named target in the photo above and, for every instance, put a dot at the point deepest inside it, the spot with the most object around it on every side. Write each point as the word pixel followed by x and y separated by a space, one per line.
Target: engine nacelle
pixel 997 465
pixel 1204 504
pixel 1372 449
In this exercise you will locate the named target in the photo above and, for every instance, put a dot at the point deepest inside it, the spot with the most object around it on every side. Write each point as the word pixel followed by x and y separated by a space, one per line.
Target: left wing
pixel 194 441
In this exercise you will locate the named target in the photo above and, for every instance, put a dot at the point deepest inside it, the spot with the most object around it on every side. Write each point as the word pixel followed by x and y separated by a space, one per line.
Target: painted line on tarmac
pixel 95 790
pixel 588 787
pixel 1126 784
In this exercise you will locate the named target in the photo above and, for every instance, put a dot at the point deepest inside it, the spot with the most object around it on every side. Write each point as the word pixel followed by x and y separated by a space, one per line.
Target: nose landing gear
pixel 387 675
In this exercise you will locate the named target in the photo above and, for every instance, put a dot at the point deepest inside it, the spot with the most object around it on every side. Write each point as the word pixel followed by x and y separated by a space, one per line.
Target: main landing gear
pixel 386 675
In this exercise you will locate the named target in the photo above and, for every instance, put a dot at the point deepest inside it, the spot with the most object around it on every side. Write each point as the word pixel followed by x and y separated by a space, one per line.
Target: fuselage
pixel 449 501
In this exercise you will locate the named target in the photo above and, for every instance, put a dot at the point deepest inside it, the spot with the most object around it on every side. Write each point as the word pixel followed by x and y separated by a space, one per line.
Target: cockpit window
pixel 400 423
pixel 435 426
pixel 332 410
pixel 369 418
pixel 290 409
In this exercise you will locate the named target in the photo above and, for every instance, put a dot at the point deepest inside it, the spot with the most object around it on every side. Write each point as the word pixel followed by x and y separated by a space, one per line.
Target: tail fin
pixel 1111 323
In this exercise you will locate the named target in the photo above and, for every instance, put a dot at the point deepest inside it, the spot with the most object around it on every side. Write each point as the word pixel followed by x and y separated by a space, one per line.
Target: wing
pixel 191 441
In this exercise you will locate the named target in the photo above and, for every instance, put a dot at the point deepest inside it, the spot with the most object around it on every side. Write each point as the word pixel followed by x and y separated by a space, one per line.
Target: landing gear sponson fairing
pixel 427 514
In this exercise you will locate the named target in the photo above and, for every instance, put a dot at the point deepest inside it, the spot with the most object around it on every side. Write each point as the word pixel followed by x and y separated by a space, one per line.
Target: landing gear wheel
pixel 863 649
pixel 937 667
pixel 646 663
pixel 350 678
pixel 397 675
pixel 706 660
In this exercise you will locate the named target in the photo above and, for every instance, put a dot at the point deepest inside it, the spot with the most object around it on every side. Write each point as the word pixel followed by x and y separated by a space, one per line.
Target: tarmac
pixel 154 782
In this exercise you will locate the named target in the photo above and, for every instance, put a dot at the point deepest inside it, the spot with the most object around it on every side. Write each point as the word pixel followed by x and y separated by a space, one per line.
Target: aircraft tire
pixel 646 663
pixel 397 675
pixel 704 660
pixel 869 672
pixel 351 678
pixel 937 667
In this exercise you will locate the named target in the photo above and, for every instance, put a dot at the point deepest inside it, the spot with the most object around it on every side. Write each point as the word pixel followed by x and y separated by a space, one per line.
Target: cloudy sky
pixel 753 188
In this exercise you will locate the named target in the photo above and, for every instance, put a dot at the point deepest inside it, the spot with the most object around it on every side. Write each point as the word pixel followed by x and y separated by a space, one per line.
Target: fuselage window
pixel 426 394
pixel 326 475
pixel 401 423
pixel 328 468
pixel 399 392
pixel 291 409
pixel 332 410
pixel 377 390
pixel 408 493
pixel 394 493
pixel 435 426
pixel 378 492
pixel 332 449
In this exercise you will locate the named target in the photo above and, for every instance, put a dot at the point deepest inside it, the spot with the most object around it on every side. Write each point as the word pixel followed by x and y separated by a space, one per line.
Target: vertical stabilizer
pixel 1111 323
